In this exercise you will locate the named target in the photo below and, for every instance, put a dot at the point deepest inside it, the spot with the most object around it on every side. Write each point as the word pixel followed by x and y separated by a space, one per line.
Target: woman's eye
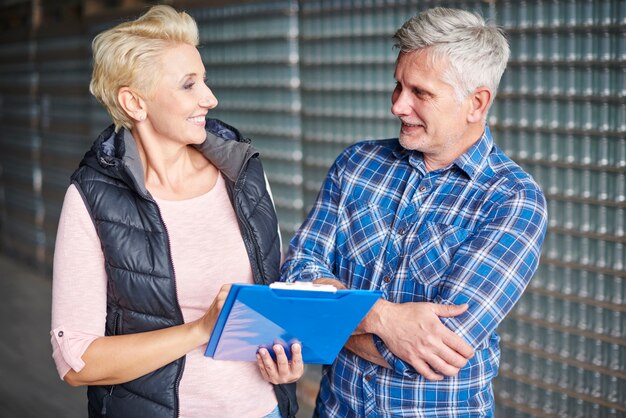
pixel 188 86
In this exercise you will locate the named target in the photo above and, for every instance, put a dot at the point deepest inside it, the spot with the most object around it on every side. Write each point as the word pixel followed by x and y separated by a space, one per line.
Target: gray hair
pixel 477 52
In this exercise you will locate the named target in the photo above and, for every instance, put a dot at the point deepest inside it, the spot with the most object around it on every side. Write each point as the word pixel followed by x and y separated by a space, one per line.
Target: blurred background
pixel 304 79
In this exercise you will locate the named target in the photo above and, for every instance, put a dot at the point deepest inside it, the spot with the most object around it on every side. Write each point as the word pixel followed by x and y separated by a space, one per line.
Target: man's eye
pixel 188 86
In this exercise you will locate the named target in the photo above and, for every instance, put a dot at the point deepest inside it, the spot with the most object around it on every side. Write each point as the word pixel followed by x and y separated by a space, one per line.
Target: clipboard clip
pixel 318 287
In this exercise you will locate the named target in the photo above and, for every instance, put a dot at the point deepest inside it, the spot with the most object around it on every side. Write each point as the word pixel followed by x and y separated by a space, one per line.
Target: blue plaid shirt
pixel 468 233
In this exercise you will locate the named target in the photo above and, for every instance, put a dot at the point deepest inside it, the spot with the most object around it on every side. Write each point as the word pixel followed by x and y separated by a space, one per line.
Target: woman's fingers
pixel 297 364
pixel 260 361
pixel 281 370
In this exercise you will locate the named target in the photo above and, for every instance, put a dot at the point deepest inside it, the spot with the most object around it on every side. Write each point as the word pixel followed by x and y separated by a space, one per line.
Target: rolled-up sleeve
pixel 489 272
pixel 78 287
pixel 493 268
pixel 68 348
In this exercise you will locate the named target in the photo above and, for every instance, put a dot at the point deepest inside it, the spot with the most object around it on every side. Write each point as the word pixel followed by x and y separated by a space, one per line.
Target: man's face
pixel 433 121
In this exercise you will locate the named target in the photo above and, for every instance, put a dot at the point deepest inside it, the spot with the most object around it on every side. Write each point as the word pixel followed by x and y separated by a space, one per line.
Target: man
pixel 440 220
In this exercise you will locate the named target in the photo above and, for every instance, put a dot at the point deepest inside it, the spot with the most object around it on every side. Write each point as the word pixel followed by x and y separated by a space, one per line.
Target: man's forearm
pixel 413 332
pixel 363 346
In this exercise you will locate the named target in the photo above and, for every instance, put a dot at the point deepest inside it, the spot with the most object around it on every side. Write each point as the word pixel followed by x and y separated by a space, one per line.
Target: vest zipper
pixel 250 242
pixel 179 374
pixel 254 251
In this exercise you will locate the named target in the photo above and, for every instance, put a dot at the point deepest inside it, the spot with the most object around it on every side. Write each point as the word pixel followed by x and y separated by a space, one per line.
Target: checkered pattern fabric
pixel 468 233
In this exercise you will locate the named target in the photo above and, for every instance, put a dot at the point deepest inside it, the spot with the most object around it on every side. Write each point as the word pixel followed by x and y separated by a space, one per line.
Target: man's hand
pixel 414 332
pixel 332 282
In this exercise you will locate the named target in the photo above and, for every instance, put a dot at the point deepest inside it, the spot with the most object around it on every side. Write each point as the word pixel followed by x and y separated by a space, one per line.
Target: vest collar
pixel 226 148
pixel 117 154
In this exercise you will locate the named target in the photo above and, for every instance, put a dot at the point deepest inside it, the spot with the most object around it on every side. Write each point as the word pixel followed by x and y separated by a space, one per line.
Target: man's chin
pixel 410 142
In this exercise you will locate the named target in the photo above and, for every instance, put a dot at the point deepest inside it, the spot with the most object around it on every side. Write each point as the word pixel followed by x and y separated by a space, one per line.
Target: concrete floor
pixel 29 383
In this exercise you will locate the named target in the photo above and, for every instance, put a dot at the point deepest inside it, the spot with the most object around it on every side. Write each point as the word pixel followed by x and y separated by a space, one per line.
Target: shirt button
pixel 386 279
pixel 422 188
pixel 60 334
pixel 401 231
pixel 368 377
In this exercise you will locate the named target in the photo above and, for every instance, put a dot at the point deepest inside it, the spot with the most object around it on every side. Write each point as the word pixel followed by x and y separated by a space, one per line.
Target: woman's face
pixel 181 99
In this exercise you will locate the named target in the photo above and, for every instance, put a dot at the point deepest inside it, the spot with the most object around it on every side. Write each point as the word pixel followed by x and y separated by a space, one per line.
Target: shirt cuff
pixel 68 348
pixel 308 275
pixel 399 366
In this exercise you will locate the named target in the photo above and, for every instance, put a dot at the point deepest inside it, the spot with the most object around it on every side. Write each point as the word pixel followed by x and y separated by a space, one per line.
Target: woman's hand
pixel 281 371
pixel 207 322
pixel 118 359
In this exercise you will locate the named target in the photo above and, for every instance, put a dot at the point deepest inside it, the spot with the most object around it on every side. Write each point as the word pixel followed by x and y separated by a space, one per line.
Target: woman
pixel 164 211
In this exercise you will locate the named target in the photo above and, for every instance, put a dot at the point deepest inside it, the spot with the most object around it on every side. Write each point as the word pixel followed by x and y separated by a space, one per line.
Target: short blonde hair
pixel 128 54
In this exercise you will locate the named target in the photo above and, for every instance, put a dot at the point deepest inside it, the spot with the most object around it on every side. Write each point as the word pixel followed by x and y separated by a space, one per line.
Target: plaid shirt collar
pixel 471 162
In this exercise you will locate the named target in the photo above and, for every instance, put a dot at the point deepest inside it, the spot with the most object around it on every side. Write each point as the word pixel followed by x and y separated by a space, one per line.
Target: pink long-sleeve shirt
pixel 207 251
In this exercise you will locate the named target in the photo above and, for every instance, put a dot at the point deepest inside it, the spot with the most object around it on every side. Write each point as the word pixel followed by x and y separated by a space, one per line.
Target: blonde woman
pixel 165 210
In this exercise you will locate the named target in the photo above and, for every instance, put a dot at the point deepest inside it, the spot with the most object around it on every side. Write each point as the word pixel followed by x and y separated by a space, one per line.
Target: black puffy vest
pixel 141 289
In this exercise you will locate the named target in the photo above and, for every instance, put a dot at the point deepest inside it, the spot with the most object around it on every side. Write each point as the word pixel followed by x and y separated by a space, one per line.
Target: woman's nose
pixel 208 99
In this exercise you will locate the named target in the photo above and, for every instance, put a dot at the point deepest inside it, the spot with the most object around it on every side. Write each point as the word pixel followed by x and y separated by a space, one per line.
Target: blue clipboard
pixel 255 316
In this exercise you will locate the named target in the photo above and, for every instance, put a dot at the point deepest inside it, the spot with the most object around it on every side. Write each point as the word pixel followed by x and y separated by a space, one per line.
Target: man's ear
pixel 132 103
pixel 479 104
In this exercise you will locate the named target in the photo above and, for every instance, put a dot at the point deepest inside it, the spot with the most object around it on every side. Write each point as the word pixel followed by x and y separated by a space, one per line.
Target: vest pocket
pixel 106 400
pixel 114 322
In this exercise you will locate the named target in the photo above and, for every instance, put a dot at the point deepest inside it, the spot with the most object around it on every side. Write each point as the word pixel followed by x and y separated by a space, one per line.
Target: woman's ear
pixel 132 103
pixel 479 104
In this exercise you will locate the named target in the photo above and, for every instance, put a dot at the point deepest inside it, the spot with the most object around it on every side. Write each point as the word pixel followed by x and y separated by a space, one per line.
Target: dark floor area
pixel 29 384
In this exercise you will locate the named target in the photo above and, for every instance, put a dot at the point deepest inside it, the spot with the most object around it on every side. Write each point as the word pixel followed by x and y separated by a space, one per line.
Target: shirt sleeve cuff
pixel 68 348
pixel 307 274
pixel 398 365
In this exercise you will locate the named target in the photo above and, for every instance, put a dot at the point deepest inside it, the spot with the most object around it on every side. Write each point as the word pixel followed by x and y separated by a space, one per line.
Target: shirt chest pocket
pixel 362 232
pixel 432 251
